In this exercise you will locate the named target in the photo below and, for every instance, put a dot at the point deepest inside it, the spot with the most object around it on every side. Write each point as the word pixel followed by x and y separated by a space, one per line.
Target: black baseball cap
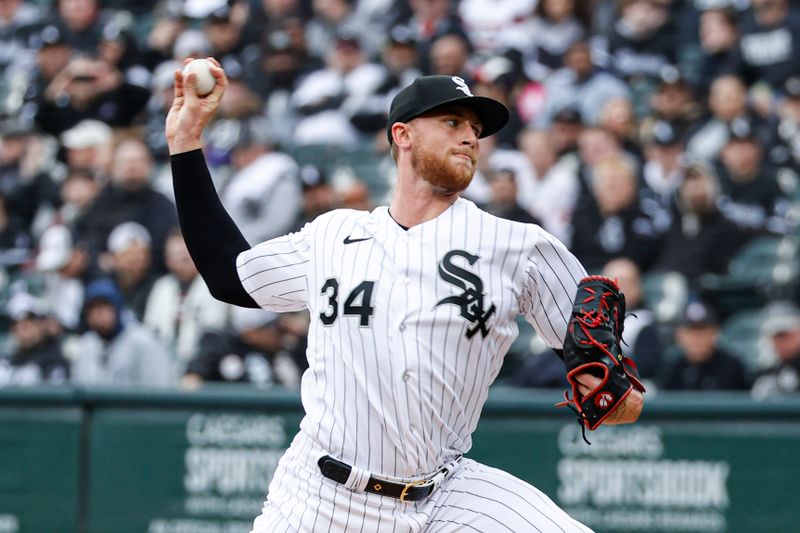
pixel 429 92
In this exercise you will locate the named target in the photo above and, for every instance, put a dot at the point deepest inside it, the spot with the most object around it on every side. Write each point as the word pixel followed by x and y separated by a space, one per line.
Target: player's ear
pixel 401 134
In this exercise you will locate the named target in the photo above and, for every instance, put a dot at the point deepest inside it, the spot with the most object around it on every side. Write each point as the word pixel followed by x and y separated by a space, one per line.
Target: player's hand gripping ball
pixel 202 69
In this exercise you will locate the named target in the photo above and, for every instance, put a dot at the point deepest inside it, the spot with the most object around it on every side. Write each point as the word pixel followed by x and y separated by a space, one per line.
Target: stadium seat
pixel 666 294
pixel 323 156
pixel 367 165
pixel 763 269
pixel 741 336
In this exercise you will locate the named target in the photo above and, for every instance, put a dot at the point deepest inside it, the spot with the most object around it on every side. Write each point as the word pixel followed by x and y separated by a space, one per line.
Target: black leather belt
pixel 406 492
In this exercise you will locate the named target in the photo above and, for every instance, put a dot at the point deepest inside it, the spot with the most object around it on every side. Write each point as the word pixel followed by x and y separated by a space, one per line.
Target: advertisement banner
pixel 655 476
pixel 183 471
pixel 39 481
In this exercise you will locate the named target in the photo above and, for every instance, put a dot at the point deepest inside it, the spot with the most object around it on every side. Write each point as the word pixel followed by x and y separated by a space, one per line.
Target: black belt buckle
pixel 406 497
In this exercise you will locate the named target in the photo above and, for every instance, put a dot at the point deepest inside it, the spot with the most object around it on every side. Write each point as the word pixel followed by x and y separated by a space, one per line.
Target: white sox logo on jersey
pixel 462 85
pixel 471 300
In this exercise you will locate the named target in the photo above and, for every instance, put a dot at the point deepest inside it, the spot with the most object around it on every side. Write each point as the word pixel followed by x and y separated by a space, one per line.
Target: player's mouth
pixel 465 155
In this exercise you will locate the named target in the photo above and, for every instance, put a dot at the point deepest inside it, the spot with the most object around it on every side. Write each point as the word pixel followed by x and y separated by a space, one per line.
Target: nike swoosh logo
pixel 348 240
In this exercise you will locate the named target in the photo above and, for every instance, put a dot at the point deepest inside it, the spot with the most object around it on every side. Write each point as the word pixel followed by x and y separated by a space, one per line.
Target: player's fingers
pixel 178 85
pixel 221 81
pixel 190 89
pixel 214 61
pixel 187 61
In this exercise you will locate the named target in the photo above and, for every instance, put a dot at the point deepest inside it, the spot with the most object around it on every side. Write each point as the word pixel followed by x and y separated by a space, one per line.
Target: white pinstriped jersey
pixel 409 328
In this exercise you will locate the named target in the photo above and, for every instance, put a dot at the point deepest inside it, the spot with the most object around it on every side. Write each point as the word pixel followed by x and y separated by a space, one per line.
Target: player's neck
pixel 416 202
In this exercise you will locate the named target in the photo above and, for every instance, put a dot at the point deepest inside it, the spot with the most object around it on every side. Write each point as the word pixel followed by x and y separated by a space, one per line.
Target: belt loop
pixel 357 480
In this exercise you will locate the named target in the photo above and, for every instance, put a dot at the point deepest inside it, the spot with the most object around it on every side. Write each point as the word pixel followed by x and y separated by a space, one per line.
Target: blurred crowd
pixel 658 139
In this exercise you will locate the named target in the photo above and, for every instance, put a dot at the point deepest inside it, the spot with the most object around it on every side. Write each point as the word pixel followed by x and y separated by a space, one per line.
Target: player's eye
pixel 451 122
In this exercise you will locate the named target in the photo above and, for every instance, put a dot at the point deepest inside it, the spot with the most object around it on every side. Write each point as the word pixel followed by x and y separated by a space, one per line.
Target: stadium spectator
pixel 785 135
pixel 38 358
pixel 15 242
pixel 662 172
pixel 87 146
pixel 329 97
pixel 551 195
pixel 700 239
pixel 503 197
pixel 318 195
pixel 727 101
pixel 23 181
pixel 129 196
pixel 580 85
pixel 431 19
pixel 642 40
pixel 276 73
pixel 52 54
pixel 640 334
pixel 180 308
pixel 672 100
pixel 89 88
pixel 62 263
pixel 78 192
pixel 781 327
pixel 252 352
pixel 493 25
pixel 82 23
pixel 18 21
pixel 750 195
pixel 768 49
pixel 330 19
pixel 116 349
pixel 129 261
pixel 566 129
pixel 497 78
pixel 719 38
pixel 555 26
pixel 167 26
pixel 618 117
pixel 263 195
pixel 701 365
pixel 449 56
pixel 611 222
pixel 118 46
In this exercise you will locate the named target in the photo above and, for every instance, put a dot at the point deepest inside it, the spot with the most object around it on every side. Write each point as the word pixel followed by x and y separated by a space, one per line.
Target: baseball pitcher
pixel 412 309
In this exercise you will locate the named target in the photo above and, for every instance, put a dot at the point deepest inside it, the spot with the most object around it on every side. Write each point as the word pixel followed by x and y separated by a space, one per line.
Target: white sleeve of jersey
pixel 275 272
pixel 550 285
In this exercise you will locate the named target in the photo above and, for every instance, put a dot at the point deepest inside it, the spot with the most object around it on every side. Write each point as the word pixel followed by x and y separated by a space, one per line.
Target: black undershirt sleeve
pixel 212 237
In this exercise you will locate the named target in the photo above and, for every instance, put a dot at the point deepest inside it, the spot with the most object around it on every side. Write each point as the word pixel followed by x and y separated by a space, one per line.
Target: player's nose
pixel 469 137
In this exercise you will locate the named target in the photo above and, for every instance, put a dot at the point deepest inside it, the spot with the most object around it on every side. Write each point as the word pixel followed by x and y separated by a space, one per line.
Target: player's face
pixel 445 147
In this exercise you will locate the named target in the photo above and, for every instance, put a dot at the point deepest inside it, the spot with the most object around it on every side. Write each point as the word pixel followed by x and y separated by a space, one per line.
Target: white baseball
pixel 202 69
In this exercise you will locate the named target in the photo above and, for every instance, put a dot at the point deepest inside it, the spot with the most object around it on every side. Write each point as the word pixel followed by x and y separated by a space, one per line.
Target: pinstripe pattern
pixel 402 395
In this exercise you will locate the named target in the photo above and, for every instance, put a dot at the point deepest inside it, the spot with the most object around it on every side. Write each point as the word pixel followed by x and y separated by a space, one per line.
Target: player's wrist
pixel 179 145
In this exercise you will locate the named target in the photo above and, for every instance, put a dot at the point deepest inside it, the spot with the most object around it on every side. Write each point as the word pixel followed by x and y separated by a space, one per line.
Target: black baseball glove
pixel 593 345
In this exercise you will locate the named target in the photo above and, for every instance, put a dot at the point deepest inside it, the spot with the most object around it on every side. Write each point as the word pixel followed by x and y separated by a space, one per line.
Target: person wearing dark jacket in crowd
pixel 129 196
pixel 781 328
pixel 89 88
pixel 503 202
pixel 699 239
pixel 642 40
pixel 130 262
pixel 251 352
pixel 702 364
pixel 610 222
pixel 751 197
pixel 38 358
pixel 769 44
